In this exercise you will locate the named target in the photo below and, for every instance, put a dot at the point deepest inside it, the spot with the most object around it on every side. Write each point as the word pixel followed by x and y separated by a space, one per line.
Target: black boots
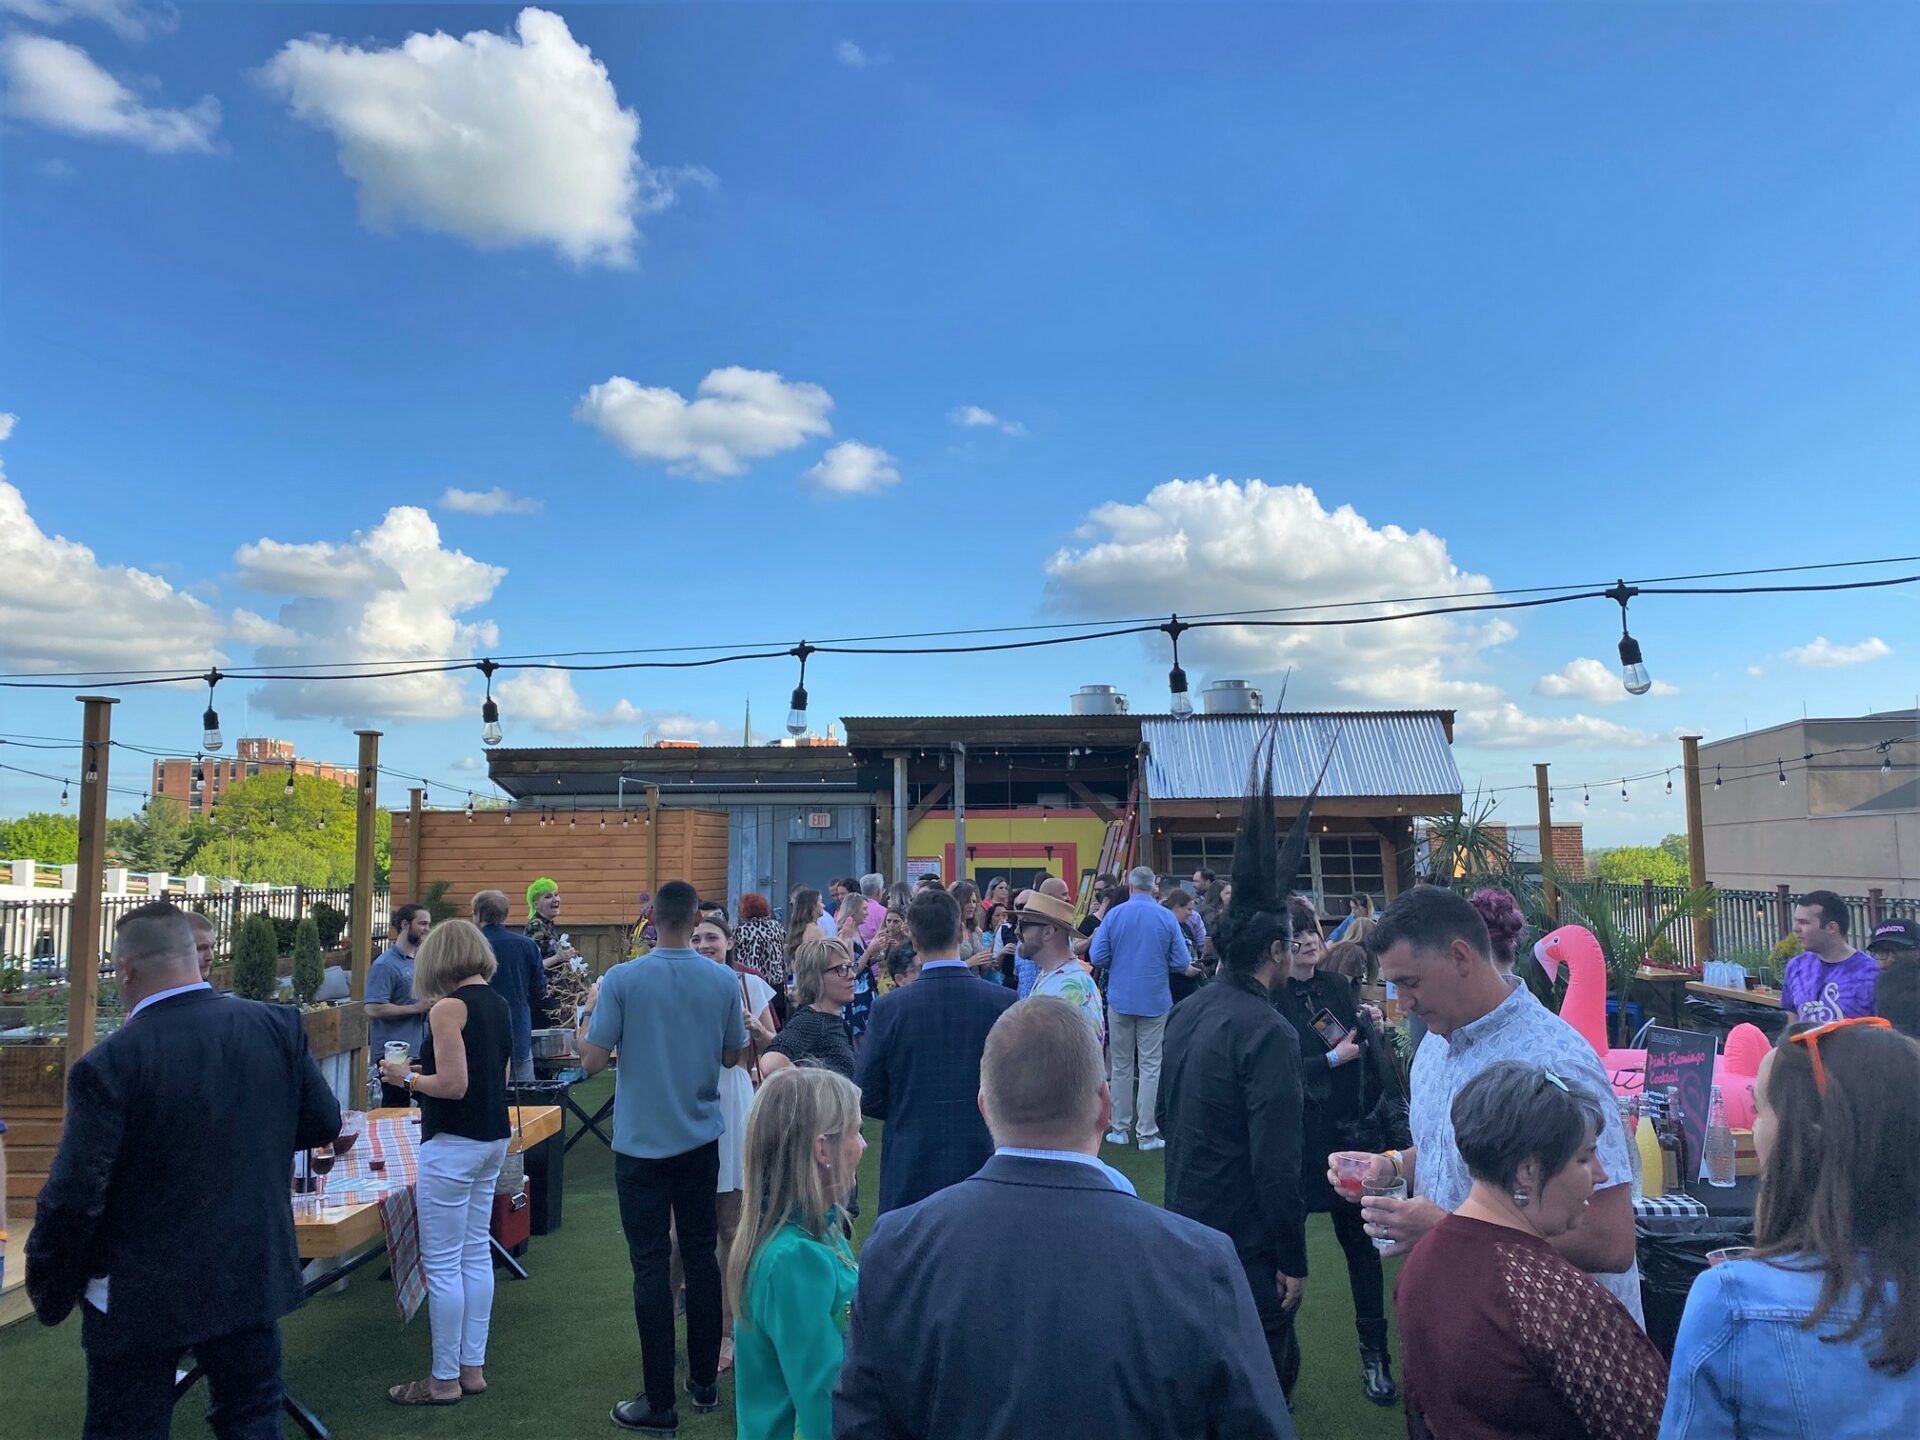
pixel 1376 1363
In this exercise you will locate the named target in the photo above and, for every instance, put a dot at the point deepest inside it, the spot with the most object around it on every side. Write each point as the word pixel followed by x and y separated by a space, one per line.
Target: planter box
pixel 336 1030
pixel 33 1076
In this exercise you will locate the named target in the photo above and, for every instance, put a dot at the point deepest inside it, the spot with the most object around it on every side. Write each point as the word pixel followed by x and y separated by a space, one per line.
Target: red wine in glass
pixel 323 1160
pixel 343 1142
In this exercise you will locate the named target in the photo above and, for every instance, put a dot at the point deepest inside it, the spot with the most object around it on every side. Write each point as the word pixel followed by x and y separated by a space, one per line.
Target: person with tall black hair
pixel 1338 1058
pixel 1230 1102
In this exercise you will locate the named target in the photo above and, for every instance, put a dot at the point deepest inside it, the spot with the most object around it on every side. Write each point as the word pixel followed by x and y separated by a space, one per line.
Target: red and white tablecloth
pixel 355 1182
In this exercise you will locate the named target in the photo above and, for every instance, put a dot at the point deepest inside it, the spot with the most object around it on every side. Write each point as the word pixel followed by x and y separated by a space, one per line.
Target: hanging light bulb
pixel 797 713
pixel 1716 777
pixel 1586 796
pixel 1623 790
pixel 490 731
pixel 210 739
pixel 199 776
pixel 469 809
pixel 1886 759
pixel 145 800
pixel 1633 670
pixel 1670 783
pixel 1781 767
pixel 507 817
pixel 93 770
pixel 287 789
pixel 63 792
pixel 569 822
pixel 1181 707
pixel 603 822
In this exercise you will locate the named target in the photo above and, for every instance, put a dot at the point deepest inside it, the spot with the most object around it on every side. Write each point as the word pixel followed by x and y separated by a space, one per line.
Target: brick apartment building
pixel 198 782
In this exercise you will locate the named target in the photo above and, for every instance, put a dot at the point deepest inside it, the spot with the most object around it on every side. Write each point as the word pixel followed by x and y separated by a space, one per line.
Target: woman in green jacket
pixel 790 1274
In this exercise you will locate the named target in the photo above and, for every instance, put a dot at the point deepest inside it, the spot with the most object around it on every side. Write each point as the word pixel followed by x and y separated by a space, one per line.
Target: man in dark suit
pixel 919 1065
pixel 167 1216
pixel 519 975
pixel 1129 1321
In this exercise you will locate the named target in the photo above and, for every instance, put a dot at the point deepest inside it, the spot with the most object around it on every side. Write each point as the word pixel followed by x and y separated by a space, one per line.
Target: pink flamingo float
pixel 1585 1008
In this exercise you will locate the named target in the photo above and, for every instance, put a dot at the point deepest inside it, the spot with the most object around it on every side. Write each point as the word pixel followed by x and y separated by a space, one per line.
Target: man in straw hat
pixel 1046 926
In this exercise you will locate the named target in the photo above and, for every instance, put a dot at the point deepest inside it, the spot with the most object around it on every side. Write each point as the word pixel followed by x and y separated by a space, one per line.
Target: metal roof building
pixel 1399 754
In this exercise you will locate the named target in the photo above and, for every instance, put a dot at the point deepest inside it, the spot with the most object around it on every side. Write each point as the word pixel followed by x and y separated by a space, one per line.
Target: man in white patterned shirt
pixel 1046 933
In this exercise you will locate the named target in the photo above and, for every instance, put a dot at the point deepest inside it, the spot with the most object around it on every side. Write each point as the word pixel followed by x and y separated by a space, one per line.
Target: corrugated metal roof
pixel 1207 757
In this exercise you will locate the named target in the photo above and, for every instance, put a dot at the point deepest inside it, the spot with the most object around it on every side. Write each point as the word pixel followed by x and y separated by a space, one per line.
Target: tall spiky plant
pixel 1465 841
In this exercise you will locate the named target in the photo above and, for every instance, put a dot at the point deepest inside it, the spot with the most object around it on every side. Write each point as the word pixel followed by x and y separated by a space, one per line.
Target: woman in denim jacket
pixel 1817 1332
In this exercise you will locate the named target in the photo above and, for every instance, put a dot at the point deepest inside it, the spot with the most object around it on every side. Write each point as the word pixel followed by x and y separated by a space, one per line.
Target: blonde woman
pixel 461 1084
pixel 816 1033
pixel 807 919
pixel 791 1273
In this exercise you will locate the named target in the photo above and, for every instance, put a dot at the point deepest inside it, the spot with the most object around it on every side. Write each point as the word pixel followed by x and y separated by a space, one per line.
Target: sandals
pixel 420 1392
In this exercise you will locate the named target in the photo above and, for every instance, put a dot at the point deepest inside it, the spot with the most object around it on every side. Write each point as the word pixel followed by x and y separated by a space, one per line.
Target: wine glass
pixel 352 1125
pixel 322 1158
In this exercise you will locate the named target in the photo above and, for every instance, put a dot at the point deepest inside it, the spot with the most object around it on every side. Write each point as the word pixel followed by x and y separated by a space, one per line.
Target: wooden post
pixel 1696 847
pixel 1545 798
pixel 653 840
pixel 899 871
pixel 1783 905
pixel 362 908
pixel 415 886
pixel 84 938
pixel 1876 906
pixel 959 813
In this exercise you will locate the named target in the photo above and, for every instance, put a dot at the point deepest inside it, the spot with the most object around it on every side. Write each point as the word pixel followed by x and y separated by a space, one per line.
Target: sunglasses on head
pixel 1811 1039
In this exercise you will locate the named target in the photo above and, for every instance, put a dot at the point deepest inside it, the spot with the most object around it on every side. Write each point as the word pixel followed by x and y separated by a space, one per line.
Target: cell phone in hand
pixel 1329 1028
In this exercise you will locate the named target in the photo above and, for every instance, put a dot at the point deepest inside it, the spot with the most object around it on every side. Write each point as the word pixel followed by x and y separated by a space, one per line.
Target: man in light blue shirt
pixel 1140 944
pixel 677 1020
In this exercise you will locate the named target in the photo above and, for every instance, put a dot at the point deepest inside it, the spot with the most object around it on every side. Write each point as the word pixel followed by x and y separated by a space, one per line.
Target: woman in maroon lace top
pixel 1501 1336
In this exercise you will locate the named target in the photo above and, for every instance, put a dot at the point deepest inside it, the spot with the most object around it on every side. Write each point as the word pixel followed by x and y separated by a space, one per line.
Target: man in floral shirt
pixel 1046 934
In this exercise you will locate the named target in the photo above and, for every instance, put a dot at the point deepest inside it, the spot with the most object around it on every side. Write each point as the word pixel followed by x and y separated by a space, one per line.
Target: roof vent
pixel 1098 700
pixel 1231 697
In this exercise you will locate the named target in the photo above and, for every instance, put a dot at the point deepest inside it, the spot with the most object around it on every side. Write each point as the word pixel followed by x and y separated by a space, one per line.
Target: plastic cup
pixel 1387 1190
pixel 398 1052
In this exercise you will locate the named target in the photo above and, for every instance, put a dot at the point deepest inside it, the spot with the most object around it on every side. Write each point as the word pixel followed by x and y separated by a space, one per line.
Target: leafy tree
pixel 256 959
pixel 331 921
pixel 158 839
pixel 309 965
pixel 1676 846
pixel 434 897
pixel 262 833
pixel 1630 864
pixel 43 835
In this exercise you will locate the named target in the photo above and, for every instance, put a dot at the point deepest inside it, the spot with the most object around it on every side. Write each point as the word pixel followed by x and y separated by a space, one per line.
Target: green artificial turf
pixel 564 1350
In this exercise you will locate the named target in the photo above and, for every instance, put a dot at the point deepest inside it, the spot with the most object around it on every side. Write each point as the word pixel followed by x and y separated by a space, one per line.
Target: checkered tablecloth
pixel 354 1182
pixel 1677 1206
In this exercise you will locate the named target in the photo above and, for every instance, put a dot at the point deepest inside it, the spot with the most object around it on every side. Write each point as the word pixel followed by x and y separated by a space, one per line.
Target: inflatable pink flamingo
pixel 1585 1007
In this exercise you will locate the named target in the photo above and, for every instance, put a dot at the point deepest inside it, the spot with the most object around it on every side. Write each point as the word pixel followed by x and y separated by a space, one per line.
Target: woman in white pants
pixel 461 1083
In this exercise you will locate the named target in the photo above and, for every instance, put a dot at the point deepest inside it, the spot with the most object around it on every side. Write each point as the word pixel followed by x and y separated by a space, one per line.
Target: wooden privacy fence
pixel 600 870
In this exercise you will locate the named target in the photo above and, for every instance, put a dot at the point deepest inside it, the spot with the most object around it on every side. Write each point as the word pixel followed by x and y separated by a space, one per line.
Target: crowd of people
pixel 1013 1283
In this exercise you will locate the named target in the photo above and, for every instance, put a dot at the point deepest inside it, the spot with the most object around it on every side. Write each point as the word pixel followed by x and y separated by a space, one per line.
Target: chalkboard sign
pixel 1683 1060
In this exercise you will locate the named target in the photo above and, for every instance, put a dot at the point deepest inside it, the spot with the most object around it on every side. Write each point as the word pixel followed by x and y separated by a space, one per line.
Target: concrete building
pixel 198 781
pixel 1847 817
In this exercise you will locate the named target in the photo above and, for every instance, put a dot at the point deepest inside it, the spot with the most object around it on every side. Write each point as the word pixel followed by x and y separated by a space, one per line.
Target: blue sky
pixel 1515 295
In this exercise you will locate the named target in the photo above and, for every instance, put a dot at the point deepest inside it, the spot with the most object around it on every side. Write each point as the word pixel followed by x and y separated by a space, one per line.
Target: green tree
pixel 256 959
pixel 1676 846
pixel 43 835
pixel 309 965
pixel 262 833
pixel 159 837
pixel 1630 864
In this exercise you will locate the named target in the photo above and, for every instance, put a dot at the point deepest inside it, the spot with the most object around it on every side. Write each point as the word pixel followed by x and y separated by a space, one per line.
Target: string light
pixel 1781 765
pixel 1623 789
pixel 1633 670
pixel 63 792
pixel 287 789
pixel 1181 707
pixel 469 809
pixel 1886 758
pixel 797 712
pixel 1669 782
pixel 210 739
pixel 490 731
pixel 1716 777
pixel 1586 797
pixel 93 768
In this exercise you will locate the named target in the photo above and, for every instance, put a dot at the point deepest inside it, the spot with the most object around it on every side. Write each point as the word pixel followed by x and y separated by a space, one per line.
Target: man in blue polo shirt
pixel 1140 944
pixel 676 1019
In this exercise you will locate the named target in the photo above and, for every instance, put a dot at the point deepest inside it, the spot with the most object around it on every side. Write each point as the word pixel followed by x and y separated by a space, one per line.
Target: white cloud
pixel 131 20
pixel 851 468
pixel 385 596
pixel 1592 681
pixel 56 169
pixel 251 628
pixel 54 84
pixel 496 501
pixel 740 416
pixel 467 764
pixel 502 141
pixel 858 57
pixel 7 422
pixel 1823 652
pixel 1755 671
pixel 1505 726
pixel 61 609
pixel 976 417
pixel 546 701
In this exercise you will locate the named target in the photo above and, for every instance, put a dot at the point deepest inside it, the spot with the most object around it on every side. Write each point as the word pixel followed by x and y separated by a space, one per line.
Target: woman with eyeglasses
pixel 816 1033
pixel 1339 1081
pixel 1816 1330
pixel 1501 1338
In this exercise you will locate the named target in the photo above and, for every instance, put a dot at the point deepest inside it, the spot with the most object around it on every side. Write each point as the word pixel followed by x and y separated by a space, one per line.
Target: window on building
pixel 1335 867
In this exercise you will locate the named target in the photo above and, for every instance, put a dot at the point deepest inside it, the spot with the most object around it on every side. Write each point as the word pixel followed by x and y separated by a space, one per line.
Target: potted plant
pixel 309 966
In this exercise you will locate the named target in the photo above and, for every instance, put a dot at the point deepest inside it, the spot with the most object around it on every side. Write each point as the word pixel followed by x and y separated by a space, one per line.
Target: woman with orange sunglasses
pixel 1817 1330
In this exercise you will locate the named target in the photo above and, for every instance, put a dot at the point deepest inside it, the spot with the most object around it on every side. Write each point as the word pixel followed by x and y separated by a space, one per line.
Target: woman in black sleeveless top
pixel 461 1085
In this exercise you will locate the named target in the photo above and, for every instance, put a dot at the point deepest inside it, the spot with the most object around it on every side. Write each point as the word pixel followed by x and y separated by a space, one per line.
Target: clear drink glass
pixel 1384 1190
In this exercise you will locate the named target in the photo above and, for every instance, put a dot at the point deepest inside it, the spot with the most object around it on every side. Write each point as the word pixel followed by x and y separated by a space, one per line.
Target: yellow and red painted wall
pixel 1017 839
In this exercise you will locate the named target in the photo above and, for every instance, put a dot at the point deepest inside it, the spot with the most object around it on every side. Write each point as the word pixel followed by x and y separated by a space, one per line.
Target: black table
pixel 1672 1250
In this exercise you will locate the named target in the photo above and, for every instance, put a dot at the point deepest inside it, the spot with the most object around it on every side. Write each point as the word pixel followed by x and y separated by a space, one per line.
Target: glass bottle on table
pixel 1672 1147
pixel 1646 1139
pixel 1719 1144
pixel 1630 1126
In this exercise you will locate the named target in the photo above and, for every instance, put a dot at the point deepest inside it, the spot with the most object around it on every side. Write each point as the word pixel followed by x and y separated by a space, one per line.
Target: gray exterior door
pixel 815 863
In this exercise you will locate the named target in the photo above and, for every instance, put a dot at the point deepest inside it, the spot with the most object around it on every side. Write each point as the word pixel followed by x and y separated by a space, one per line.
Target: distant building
pixel 1847 819
pixel 198 782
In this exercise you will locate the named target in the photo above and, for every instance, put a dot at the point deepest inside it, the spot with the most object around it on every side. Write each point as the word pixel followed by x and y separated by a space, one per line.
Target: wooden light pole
pixel 415 885
pixel 365 815
pixel 1545 797
pixel 1696 847
pixel 84 938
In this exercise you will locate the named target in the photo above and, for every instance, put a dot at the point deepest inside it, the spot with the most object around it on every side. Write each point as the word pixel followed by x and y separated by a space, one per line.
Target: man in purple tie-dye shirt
pixel 1832 980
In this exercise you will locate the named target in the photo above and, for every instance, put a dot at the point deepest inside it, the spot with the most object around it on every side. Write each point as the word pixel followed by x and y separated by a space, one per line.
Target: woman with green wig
pixel 556 954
